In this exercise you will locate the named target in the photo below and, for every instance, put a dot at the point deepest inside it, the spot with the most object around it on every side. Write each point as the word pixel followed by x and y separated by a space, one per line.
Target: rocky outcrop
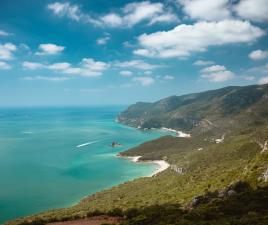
pixel 232 189
pixel 177 169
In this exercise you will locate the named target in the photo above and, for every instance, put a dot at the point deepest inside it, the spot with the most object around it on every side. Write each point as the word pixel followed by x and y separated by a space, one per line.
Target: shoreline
pixel 178 132
pixel 162 164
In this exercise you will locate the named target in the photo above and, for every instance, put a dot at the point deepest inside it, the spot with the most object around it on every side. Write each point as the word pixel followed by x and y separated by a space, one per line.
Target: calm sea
pixel 41 166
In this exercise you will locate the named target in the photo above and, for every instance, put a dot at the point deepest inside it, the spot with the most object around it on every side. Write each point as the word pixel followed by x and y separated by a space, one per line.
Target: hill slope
pixel 216 110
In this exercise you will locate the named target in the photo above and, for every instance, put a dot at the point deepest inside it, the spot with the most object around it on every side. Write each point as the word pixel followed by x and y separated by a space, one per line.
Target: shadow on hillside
pixel 240 205
pixel 245 208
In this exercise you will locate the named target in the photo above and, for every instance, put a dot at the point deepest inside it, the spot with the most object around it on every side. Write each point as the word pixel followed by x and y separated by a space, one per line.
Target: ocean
pixel 53 157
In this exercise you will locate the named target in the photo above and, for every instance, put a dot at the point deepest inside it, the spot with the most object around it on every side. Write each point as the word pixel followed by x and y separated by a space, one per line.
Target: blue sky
pixel 120 52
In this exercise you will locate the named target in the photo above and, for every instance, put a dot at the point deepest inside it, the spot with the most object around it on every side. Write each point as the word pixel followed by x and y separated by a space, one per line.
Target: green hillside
pixel 216 110
pixel 220 183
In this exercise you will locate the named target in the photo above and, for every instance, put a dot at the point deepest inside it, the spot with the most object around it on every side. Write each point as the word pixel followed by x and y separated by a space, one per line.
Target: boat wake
pixel 88 143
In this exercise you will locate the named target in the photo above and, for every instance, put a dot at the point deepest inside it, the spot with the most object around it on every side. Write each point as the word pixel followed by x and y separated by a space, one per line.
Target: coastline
pixel 162 164
pixel 177 132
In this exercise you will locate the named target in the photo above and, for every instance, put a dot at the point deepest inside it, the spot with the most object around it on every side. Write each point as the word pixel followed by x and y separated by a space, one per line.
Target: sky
pixel 104 52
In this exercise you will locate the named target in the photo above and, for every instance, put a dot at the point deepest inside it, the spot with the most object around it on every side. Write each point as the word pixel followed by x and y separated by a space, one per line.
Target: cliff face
pixel 219 110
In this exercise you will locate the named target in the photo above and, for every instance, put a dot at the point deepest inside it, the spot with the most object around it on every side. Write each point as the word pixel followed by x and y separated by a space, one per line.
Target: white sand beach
pixel 178 132
pixel 162 164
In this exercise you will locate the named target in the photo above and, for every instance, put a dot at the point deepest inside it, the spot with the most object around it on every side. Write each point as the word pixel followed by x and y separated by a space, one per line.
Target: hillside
pixel 219 183
pixel 215 111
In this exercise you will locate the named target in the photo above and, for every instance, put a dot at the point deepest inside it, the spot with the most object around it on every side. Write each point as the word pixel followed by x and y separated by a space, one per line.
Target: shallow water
pixel 53 157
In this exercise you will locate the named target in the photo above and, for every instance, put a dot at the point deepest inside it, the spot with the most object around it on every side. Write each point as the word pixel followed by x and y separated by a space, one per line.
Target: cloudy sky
pixel 119 52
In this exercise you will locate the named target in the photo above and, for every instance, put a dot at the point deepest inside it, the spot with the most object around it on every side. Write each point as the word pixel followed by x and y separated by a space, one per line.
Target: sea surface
pixel 53 157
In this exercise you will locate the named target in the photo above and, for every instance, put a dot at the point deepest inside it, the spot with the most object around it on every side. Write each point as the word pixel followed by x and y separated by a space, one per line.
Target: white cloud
pixel 7 50
pixel 137 12
pixel 103 40
pixel 88 67
pixel 128 16
pixel 4 66
pixel 126 73
pixel 144 81
pixel 186 39
pixel 137 64
pixel 202 63
pixel 258 54
pixel 54 79
pixel 214 68
pixel 94 65
pixel 256 10
pixel 208 10
pixel 216 73
pixel 65 9
pixel 60 66
pixel 49 49
pixel 220 76
pixel 263 80
pixel 168 77
pixel 4 33
pixel 112 19
pixel 165 18
pixel 73 12
pixel 32 65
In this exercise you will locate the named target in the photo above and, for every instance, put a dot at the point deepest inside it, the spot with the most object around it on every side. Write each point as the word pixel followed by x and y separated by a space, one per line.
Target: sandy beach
pixel 162 164
pixel 178 132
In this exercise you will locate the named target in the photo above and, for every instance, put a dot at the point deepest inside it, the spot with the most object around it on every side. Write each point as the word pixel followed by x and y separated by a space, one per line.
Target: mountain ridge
pixel 195 112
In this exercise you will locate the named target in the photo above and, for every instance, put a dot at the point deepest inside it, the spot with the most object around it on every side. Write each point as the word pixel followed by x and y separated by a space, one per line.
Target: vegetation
pixel 222 183
pixel 216 110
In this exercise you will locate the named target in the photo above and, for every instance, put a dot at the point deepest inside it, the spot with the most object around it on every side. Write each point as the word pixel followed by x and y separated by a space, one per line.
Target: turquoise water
pixel 41 166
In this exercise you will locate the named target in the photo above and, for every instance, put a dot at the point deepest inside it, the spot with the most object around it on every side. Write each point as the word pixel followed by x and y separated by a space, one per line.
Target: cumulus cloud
pixel 186 39
pixel 256 10
pixel 128 16
pixel 7 50
pixel 73 12
pixel 203 63
pixel 112 19
pixel 49 49
pixel 137 12
pixel 88 67
pixel 258 54
pixel 60 66
pixel 32 65
pixel 216 73
pixel 214 68
pixel 65 9
pixel 137 64
pixel 144 81
pixel 126 73
pixel 4 66
pixel 206 9
pixel 103 40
